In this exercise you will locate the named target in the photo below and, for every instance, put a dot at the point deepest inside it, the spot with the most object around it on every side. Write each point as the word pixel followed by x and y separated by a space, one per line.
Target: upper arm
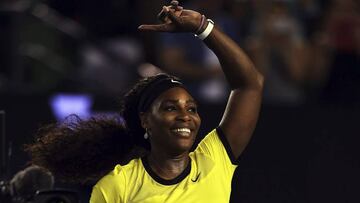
pixel 240 117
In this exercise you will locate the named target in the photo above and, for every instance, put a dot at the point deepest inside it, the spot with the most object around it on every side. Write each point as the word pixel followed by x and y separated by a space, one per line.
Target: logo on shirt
pixel 196 179
pixel 175 81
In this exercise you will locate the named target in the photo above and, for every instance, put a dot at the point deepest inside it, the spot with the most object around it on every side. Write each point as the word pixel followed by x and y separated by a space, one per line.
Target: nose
pixel 183 116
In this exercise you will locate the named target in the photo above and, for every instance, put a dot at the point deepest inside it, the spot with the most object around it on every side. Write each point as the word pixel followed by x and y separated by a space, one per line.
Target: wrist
pixel 206 29
pixel 202 26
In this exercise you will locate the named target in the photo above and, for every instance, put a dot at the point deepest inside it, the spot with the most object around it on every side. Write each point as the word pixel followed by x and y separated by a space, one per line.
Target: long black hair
pixel 82 151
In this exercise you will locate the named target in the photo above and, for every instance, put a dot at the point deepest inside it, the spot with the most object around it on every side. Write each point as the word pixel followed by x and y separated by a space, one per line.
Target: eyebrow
pixel 177 101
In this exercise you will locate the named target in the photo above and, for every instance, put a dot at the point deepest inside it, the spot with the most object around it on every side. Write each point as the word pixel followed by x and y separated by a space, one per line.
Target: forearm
pixel 237 67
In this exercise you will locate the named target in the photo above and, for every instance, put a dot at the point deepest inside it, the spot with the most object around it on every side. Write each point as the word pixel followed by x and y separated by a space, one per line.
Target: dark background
pixel 302 151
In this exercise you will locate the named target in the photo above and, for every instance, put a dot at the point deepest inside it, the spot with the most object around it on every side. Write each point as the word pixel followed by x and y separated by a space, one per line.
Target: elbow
pixel 260 80
pixel 254 83
pixel 257 82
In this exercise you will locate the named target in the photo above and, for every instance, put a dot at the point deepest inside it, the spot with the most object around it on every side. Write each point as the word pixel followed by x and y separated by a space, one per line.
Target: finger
pixel 157 28
pixel 179 8
pixel 173 17
pixel 174 4
pixel 162 15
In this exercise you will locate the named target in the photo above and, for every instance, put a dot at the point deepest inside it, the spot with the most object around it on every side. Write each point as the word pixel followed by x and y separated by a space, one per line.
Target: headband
pixel 154 89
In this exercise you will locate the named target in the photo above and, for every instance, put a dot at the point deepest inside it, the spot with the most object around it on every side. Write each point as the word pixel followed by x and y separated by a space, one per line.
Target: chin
pixel 185 147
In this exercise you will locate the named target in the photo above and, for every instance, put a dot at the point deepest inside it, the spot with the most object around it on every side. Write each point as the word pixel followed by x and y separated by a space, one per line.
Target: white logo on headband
pixel 174 81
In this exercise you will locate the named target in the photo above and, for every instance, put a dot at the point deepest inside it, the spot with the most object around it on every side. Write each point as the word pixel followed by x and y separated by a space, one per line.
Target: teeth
pixel 182 130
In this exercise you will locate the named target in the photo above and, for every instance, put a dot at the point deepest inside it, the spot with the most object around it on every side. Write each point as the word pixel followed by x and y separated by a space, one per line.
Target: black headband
pixel 154 89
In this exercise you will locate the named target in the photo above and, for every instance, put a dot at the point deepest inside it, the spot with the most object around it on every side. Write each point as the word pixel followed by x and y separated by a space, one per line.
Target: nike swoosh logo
pixel 197 177
pixel 174 81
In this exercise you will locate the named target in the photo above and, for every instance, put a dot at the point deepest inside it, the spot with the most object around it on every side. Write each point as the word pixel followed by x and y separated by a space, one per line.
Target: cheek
pixel 197 120
pixel 160 120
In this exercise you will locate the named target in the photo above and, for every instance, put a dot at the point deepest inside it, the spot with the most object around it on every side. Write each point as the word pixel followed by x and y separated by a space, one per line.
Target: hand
pixel 175 19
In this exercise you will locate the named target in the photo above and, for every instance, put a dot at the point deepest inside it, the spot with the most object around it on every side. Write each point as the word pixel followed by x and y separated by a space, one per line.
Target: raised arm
pixel 241 113
pixel 242 110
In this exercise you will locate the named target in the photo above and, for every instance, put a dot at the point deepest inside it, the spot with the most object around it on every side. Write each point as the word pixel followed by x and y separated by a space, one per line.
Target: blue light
pixel 63 105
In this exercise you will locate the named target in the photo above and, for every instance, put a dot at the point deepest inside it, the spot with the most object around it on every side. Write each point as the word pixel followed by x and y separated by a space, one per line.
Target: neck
pixel 167 166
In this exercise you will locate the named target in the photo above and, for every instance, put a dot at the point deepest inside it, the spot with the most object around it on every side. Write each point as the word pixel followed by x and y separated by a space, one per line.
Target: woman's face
pixel 172 121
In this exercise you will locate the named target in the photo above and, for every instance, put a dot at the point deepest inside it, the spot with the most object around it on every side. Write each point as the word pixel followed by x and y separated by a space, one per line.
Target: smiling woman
pixel 147 158
pixel 172 122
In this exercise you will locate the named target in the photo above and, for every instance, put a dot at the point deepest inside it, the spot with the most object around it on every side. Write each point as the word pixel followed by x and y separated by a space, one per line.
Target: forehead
pixel 176 94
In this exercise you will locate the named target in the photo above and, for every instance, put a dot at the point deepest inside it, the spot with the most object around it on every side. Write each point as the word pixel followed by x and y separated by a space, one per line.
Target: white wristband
pixel 207 30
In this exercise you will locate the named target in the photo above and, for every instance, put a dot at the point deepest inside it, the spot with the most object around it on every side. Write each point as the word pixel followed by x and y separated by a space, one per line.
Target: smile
pixel 182 131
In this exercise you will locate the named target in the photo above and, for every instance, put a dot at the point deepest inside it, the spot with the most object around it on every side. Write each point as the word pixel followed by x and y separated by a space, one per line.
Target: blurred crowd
pixel 308 50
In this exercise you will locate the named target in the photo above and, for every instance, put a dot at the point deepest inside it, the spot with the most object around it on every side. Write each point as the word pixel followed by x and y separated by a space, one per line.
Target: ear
pixel 144 120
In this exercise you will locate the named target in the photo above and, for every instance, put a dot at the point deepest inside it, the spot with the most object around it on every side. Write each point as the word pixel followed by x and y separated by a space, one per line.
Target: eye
pixel 193 109
pixel 169 108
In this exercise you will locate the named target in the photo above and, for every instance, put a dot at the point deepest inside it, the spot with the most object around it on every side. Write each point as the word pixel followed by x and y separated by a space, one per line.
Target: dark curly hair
pixel 82 151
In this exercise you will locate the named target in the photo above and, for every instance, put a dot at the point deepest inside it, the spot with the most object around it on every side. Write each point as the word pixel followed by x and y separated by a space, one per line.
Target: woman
pixel 152 146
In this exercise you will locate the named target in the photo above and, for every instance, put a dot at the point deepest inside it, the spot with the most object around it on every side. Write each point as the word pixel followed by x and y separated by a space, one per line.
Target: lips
pixel 184 132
